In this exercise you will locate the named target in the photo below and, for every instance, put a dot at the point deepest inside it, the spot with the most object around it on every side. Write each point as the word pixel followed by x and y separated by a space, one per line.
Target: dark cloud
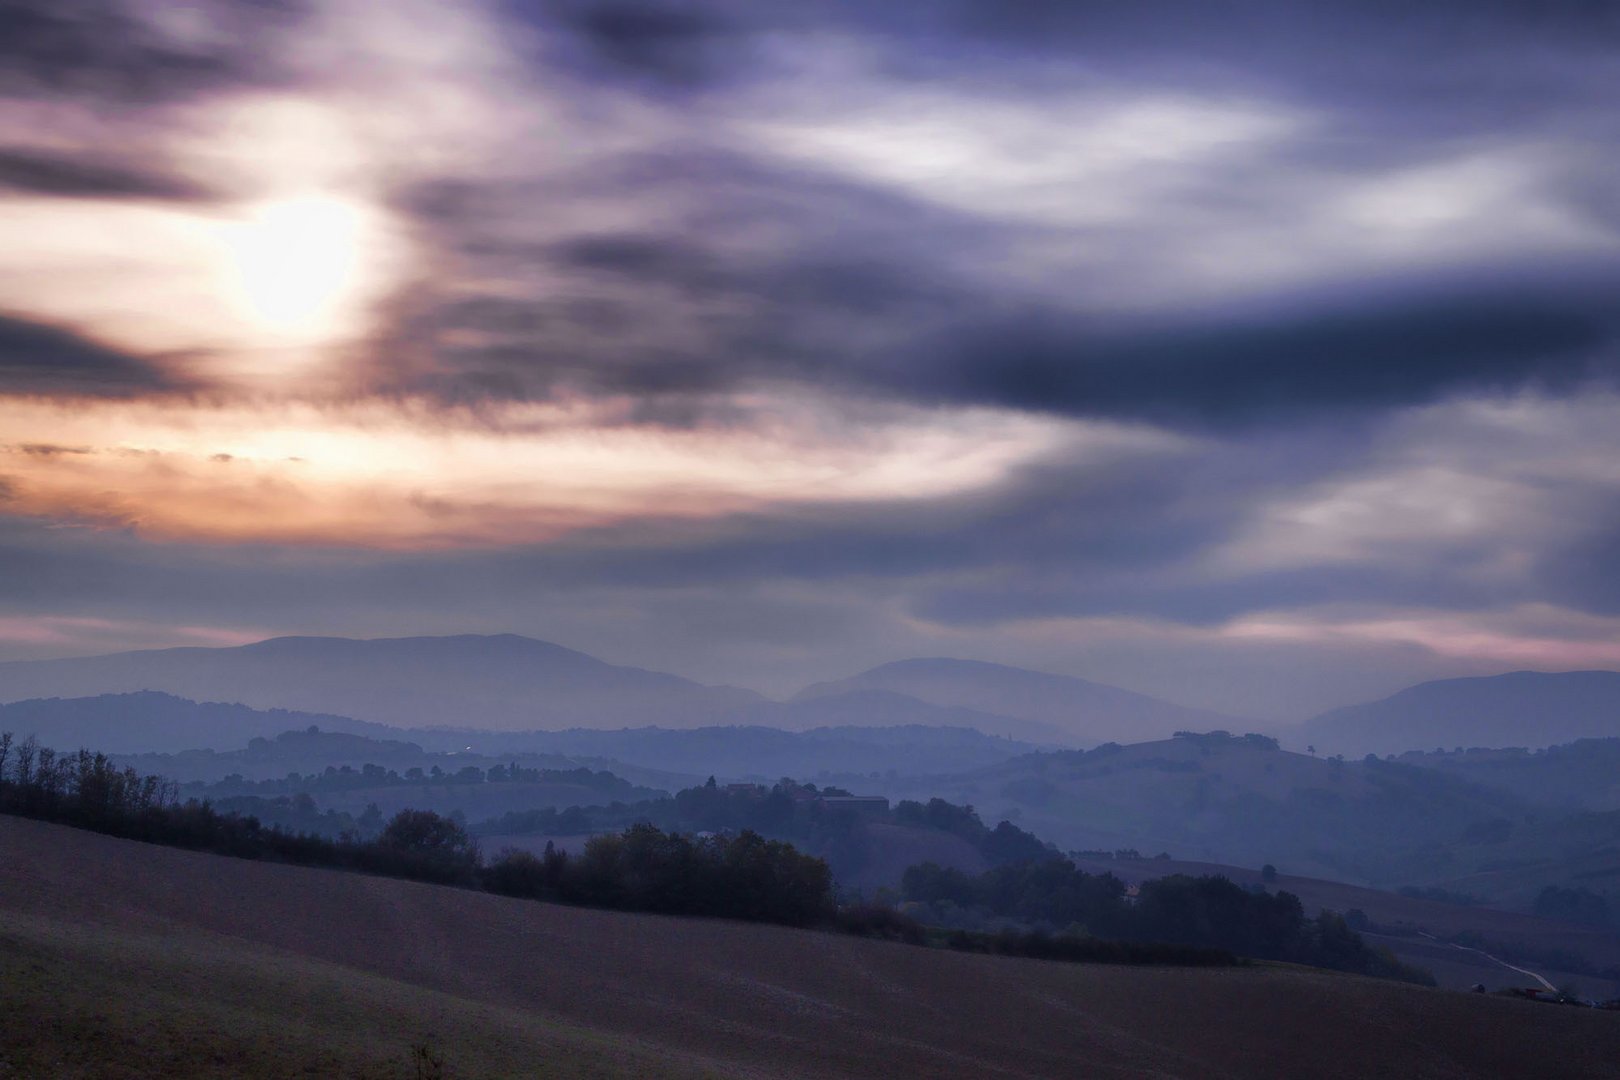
pixel 48 450
pixel 113 52
pixel 1451 66
pixel 870 290
pixel 74 176
pixel 1347 356
pixel 667 44
pixel 38 359
pixel 701 308
pixel 857 297
pixel 1583 572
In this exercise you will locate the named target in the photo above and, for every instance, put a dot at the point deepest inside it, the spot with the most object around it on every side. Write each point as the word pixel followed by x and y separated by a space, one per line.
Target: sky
pixel 1260 356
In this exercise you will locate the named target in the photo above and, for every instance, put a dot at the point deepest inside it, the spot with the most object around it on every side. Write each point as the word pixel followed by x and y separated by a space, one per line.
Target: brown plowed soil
pixel 604 993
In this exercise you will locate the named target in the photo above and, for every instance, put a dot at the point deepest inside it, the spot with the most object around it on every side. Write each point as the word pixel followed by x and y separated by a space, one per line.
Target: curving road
pixel 1493 959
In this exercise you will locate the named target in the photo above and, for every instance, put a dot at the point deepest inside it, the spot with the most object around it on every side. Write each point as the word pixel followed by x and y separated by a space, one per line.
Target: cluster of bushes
pixel 1226 738
pixel 889 924
pixel 1208 912
pixel 347 778
pixel 788 811
pixel 299 814
pixel 1004 844
pixel 646 869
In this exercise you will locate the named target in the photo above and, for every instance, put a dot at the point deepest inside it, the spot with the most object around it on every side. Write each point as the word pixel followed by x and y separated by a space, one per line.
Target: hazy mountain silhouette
pixel 499 682
pixel 875 708
pixel 1522 708
pixel 1068 709
pixel 148 721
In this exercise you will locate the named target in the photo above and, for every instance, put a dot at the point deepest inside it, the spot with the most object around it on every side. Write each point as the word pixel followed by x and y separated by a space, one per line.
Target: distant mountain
pixel 1523 708
pixel 500 682
pixel 151 722
pixel 1067 709
pixel 190 740
pixel 871 708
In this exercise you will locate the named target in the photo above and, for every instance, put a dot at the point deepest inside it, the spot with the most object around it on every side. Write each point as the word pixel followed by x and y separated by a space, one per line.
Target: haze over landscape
pixel 1042 485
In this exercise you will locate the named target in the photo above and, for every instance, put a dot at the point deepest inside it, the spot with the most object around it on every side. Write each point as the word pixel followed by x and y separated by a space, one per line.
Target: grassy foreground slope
pixel 119 959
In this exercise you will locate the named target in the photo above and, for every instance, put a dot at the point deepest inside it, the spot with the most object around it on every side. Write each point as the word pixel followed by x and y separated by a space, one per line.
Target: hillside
pixel 1582 775
pixel 875 708
pixel 1417 921
pixel 1069 710
pixel 752 752
pixel 147 721
pixel 224 966
pixel 187 740
pixel 1509 862
pixel 1523 708
pixel 499 682
pixel 1233 800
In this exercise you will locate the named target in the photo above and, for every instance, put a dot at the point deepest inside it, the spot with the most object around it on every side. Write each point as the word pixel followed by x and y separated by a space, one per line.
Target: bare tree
pixel 26 751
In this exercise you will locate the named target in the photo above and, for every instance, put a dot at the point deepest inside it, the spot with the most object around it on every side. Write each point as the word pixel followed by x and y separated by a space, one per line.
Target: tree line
pixel 337 778
pixel 787 810
pixel 1208 912
pixel 644 869
pixel 744 876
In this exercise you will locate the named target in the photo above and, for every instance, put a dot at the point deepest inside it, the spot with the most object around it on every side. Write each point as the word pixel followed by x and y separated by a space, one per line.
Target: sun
pixel 299 268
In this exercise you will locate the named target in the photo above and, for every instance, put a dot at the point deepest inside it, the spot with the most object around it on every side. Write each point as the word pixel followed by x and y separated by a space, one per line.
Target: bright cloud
pixel 409 476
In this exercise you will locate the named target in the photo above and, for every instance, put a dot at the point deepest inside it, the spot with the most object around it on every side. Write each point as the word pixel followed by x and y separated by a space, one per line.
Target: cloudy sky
pixel 1258 355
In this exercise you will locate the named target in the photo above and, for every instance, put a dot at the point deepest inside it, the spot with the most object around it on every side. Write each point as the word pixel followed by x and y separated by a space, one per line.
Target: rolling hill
pixel 1234 800
pixel 753 752
pixel 1582 775
pixel 874 708
pixel 499 682
pixel 1522 708
pixel 188 740
pixel 148 721
pixel 122 959
pixel 1421 927
pixel 1063 709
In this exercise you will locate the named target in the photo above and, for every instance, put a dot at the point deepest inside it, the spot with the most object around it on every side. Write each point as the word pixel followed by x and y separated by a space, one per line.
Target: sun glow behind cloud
pixel 296 263
pixel 257 291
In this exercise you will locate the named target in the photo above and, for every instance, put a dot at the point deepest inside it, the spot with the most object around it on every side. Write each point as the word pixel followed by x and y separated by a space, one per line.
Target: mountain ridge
pixel 1533 709
pixel 1075 709
pixel 503 681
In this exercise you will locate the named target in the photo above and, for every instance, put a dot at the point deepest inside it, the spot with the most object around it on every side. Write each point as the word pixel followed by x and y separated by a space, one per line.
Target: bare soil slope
pixel 250 960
